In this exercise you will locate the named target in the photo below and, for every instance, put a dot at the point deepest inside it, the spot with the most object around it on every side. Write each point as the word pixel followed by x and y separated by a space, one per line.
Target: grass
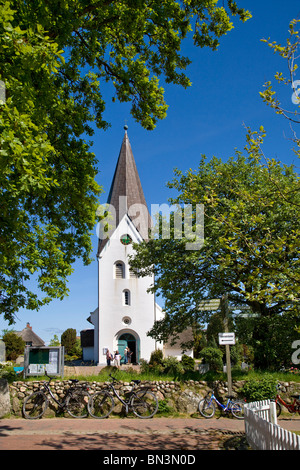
pixel 130 374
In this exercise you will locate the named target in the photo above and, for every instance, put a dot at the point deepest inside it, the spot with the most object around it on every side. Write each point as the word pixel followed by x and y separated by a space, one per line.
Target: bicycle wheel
pixel 35 405
pixel 237 409
pixel 144 404
pixel 100 405
pixel 278 409
pixel 206 408
pixel 77 404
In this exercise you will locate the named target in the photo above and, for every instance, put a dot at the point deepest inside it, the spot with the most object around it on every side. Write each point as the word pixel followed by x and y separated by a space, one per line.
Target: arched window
pixel 119 270
pixel 126 297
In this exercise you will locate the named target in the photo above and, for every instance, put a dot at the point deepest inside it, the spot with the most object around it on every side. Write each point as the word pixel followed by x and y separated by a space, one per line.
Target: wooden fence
pixel 262 430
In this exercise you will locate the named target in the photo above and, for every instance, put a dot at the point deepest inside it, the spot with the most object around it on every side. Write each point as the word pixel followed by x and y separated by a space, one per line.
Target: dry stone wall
pixel 179 397
pixel 176 396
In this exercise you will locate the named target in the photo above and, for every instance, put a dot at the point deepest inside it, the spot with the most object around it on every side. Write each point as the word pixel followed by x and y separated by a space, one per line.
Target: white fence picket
pixel 262 431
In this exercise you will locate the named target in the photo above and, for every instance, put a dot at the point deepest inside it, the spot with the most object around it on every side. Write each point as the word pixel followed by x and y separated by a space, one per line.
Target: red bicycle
pixel 291 407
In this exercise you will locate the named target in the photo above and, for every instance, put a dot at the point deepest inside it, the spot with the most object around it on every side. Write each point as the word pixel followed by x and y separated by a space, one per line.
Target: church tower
pixel 126 311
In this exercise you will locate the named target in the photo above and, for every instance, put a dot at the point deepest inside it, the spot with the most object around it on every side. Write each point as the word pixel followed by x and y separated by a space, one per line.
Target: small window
pixel 126 297
pixel 119 270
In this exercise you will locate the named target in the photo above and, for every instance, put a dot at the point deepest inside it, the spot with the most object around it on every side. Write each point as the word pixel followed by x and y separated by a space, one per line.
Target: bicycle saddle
pixel 296 396
pixel 74 381
pixel 229 396
pixel 136 381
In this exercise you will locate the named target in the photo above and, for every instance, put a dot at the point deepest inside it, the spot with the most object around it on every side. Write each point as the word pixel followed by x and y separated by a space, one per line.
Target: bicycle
pixel 141 401
pixel 207 407
pixel 291 407
pixel 75 401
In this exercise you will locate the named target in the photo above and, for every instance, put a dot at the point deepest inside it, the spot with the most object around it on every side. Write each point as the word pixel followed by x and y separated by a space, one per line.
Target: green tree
pixel 288 52
pixel 55 59
pixel 212 357
pixel 251 246
pixel 14 345
pixel 69 341
pixel 54 341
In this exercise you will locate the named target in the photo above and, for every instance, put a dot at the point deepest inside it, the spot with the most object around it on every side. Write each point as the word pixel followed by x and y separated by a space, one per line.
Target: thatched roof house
pixel 30 338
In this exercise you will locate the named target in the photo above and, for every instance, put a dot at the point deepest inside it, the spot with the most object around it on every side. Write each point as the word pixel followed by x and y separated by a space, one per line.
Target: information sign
pixel 226 338
pixel 49 359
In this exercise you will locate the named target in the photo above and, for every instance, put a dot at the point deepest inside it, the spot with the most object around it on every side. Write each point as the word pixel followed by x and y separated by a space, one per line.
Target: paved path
pixel 124 434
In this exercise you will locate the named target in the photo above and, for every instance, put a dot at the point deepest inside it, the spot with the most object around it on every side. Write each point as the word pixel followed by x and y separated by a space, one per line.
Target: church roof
pixel 126 192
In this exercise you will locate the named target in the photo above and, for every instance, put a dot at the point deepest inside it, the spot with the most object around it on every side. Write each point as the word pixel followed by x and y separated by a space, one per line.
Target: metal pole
pixel 225 311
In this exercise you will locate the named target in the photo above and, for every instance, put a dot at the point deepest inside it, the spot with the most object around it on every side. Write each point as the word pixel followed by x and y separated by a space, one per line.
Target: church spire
pixel 126 193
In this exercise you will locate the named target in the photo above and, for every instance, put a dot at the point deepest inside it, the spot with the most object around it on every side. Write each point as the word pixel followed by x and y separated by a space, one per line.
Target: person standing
pixel 129 353
pixel 108 357
pixel 117 359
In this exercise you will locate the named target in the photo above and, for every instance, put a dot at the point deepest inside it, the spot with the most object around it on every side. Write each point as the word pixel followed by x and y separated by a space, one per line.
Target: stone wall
pixel 176 396
pixel 4 398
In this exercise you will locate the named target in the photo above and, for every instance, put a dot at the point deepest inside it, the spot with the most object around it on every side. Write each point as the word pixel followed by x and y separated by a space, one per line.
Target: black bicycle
pixel 75 401
pixel 141 401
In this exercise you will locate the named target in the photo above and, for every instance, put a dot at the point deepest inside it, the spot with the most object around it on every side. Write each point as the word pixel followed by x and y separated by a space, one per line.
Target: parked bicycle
pixel 207 406
pixel 75 401
pixel 140 400
pixel 293 407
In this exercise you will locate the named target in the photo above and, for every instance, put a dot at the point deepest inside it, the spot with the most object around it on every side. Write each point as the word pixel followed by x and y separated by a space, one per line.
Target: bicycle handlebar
pixel 48 375
pixel 113 378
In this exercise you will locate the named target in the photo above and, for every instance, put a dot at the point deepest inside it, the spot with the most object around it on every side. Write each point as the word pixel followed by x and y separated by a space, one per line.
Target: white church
pixel 126 311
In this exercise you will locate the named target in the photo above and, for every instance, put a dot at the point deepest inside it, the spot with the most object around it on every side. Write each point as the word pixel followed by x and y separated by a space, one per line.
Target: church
pixel 126 311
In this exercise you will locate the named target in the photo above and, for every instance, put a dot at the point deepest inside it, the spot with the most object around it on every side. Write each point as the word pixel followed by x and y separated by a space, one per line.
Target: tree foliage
pixel 55 58
pixel 290 53
pixel 14 345
pixel 251 245
pixel 68 340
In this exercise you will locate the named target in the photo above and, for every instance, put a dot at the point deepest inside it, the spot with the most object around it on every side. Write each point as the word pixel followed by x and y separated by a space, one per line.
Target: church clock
pixel 126 239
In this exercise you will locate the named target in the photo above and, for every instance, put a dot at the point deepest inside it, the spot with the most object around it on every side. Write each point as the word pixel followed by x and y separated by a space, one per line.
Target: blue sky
pixel 208 118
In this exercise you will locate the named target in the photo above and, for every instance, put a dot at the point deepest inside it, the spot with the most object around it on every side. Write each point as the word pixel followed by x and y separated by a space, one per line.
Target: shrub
pixel 7 372
pixel 212 357
pixel 187 362
pixel 172 366
pixel 257 389
pixel 156 357
pixel 14 345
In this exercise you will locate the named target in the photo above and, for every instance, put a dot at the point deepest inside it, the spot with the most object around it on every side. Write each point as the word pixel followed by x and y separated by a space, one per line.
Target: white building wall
pixel 142 310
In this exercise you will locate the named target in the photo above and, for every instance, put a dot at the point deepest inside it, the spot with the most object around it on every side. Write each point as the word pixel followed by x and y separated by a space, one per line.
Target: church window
pixel 126 297
pixel 119 270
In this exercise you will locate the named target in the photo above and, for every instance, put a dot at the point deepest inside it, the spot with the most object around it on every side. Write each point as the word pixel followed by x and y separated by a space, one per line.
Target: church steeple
pixel 126 193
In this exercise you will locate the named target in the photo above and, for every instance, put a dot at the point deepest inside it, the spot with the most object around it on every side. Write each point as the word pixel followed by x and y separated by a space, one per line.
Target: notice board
pixel 38 360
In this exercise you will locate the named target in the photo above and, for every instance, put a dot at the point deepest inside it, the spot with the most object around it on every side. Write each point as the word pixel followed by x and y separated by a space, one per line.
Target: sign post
pixel 227 338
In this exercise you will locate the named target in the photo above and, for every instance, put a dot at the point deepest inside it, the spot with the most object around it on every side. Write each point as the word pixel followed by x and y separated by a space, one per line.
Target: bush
pixel 187 362
pixel 172 366
pixel 14 345
pixel 7 372
pixel 156 357
pixel 257 389
pixel 213 357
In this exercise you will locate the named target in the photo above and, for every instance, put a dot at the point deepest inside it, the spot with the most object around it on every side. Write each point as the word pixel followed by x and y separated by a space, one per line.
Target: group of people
pixel 116 357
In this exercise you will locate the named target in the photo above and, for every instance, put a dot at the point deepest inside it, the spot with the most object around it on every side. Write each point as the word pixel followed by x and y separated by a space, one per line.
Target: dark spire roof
pixel 126 191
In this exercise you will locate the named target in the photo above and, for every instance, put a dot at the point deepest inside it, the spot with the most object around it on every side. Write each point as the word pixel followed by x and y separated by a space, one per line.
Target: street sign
pixel 226 338
pixel 212 304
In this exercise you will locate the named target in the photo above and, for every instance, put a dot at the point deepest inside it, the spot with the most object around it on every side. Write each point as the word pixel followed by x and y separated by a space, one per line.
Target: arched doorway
pixel 128 340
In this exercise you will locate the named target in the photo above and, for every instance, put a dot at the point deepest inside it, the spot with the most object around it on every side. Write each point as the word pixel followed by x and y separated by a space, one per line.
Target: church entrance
pixel 127 340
